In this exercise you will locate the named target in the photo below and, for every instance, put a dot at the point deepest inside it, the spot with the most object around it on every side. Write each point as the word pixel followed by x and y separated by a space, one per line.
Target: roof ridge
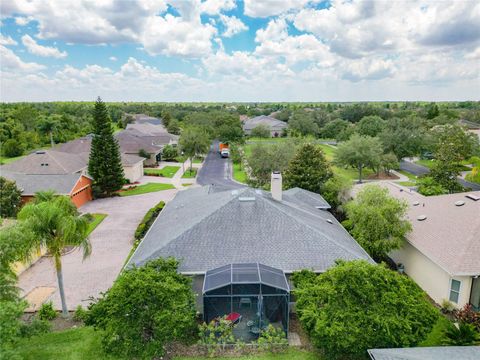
pixel 49 152
pixel 321 233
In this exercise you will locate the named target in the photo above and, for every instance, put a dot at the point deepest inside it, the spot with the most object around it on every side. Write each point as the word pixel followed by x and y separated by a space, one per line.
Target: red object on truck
pixel 222 146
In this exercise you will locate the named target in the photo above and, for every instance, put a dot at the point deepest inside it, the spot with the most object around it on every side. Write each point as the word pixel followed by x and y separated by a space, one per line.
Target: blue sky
pixel 227 50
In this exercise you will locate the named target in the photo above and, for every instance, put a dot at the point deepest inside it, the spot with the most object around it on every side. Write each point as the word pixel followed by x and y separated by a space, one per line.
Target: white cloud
pixel 171 35
pixel 7 40
pixel 113 58
pixel 23 20
pixel 366 69
pixel 266 8
pixel 233 25
pixel 214 7
pixel 40 50
pixel 10 61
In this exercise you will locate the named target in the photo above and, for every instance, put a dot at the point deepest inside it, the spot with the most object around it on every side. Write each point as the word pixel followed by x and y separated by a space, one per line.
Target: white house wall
pixel 133 173
pixel 429 276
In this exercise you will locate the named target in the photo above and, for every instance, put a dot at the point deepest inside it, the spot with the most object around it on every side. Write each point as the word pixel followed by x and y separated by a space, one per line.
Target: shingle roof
pixel 128 159
pixel 47 162
pixel 450 235
pixel 142 118
pixel 264 120
pixel 132 144
pixel 427 353
pixel 207 229
pixel 29 184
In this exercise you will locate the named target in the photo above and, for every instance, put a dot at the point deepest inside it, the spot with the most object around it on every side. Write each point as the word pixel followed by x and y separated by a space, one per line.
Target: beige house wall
pixel 133 173
pixel 429 276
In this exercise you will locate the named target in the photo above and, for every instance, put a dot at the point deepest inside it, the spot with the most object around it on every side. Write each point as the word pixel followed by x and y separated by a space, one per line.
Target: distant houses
pixel 64 169
pixel 442 252
pixel 276 127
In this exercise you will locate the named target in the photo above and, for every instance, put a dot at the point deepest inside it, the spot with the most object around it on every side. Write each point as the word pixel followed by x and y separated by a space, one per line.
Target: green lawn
pixel 239 174
pixel 74 344
pixel 147 188
pixel 187 184
pixel 97 219
pixel 189 174
pixel 410 176
pixel 407 183
pixel 328 150
pixel 431 163
pixel 167 171
pixel 6 160
pixel 436 336
pixel 291 354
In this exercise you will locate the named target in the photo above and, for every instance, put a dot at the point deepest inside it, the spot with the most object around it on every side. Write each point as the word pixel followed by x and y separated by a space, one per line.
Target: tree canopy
pixel 308 169
pixel 356 305
pixel 194 141
pixel 146 308
pixel 10 198
pixel 377 220
pixel 359 152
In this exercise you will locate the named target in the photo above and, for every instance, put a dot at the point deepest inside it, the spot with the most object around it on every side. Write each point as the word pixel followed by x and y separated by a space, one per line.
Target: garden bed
pixel 167 171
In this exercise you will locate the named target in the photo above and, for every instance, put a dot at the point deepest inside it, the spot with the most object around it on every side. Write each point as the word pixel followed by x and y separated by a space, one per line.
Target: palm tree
pixel 55 223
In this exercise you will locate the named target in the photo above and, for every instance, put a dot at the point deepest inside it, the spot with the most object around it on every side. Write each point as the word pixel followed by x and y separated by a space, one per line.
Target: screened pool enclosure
pixel 252 296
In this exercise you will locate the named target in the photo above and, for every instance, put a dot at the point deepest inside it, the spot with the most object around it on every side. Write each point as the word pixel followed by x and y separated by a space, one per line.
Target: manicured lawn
pixel 74 344
pixel 189 174
pixel 6 160
pixel 407 183
pixel 431 163
pixel 410 176
pixel 147 188
pixel 291 354
pixel 187 184
pixel 167 171
pixel 329 151
pixel 239 174
pixel 97 219
pixel 436 336
pixel 351 173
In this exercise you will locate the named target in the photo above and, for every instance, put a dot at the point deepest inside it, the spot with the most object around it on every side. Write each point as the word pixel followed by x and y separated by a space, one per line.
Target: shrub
pixel 261 131
pixel 428 186
pixel 216 335
pixel 146 308
pixel 469 316
pixel 356 305
pixel 80 314
pixel 169 152
pixel 273 339
pixel 148 220
pixel 10 198
pixel 447 306
pixel 36 327
pixel 463 335
pixel 47 312
pixel 12 148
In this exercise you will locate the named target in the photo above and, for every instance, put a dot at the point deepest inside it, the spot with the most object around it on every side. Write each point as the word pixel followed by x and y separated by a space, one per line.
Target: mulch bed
pixel 383 176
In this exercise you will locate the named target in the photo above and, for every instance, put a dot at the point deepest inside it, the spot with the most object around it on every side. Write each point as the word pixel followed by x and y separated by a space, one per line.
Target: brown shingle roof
pixel 450 235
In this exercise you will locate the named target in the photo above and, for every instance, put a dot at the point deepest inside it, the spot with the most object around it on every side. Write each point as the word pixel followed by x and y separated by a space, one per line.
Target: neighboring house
pixel 277 127
pixel 132 163
pixel 427 353
pixel 145 119
pixel 77 185
pixel 152 135
pixel 245 233
pixel 132 144
pixel 442 252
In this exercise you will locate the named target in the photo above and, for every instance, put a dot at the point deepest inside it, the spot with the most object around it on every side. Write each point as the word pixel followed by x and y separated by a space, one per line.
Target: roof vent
pixel 39 152
pixel 473 197
pixel 416 203
pixel 329 221
pixel 421 217
pixel 459 203
pixel 246 199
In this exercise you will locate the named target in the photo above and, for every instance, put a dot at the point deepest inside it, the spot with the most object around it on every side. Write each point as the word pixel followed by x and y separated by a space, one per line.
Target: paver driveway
pixel 111 243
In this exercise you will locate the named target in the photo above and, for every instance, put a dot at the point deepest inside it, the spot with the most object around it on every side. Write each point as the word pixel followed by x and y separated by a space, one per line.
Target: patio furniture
pixel 234 317
pixel 246 301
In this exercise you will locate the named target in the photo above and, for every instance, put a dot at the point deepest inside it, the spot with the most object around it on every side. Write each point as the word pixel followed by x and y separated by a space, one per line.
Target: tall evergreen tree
pixel 308 169
pixel 105 164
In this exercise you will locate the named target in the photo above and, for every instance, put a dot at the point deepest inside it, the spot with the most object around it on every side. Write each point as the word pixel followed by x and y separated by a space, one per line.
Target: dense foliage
pixel 377 220
pixel 193 142
pixel 356 306
pixel 104 165
pixel 145 309
pixel 308 169
pixel 148 220
pixel 10 198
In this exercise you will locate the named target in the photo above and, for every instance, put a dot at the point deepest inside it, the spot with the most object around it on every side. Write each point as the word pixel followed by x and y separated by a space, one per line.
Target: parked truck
pixel 224 150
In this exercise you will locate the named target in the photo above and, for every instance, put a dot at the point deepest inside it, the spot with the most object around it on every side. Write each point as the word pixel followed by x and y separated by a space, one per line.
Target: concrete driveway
pixel 111 243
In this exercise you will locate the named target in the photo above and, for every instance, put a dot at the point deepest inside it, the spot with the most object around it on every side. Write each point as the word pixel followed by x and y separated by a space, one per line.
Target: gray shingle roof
pixel 30 184
pixel 132 144
pixel 268 121
pixel 427 353
pixel 206 230
pixel 47 162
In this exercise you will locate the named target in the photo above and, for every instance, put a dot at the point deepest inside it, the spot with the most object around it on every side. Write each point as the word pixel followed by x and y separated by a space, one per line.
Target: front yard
pixel 189 174
pixel 96 220
pixel 146 188
pixel 167 171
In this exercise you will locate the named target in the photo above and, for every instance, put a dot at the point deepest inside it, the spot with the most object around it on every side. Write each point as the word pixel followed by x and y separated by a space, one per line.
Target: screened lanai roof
pixel 251 273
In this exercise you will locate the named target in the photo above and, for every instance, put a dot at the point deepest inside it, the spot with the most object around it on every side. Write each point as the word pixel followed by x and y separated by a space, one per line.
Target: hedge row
pixel 148 220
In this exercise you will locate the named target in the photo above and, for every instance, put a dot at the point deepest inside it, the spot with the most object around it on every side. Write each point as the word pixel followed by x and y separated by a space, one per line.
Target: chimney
pixel 276 186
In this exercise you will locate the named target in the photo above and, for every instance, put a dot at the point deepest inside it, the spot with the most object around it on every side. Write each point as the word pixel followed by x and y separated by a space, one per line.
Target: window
pixel 455 290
